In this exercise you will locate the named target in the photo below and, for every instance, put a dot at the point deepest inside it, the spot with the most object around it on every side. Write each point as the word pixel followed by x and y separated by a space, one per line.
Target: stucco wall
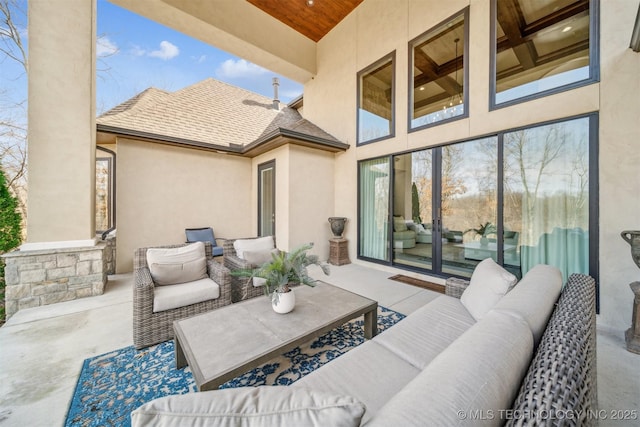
pixel 161 190
pixel 304 197
pixel 378 27
pixel 61 132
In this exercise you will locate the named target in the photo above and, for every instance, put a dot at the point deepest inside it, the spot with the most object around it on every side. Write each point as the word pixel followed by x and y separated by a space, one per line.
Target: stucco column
pixel 62 135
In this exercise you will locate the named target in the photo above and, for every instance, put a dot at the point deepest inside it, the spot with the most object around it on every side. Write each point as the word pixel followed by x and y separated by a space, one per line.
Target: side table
pixel 339 251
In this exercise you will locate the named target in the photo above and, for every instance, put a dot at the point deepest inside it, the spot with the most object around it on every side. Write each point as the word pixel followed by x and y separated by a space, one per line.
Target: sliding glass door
pixel 547 197
pixel 374 209
pixel 413 235
pixel 468 204
pixel 521 197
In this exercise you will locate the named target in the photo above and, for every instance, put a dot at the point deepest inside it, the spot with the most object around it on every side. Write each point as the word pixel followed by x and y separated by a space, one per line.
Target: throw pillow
pixel 171 266
pixel 258 244
pixel 251 407
pixel 489 282
pixel 257 258
pixel 399 224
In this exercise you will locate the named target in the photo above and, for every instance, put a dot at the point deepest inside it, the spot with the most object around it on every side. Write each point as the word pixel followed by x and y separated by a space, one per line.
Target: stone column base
pixel 42 277
pixel 632 336
pixel 339 251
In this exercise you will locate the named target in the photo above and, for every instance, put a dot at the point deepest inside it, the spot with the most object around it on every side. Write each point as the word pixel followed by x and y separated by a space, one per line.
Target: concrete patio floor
pixel 42 349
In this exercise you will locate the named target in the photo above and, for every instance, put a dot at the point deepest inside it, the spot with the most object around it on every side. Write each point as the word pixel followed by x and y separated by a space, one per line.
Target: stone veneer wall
pixel 110 254
pixel 35 278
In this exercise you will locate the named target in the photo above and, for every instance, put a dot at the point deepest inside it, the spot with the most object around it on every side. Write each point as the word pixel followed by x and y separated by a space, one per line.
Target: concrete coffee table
pixel 227 342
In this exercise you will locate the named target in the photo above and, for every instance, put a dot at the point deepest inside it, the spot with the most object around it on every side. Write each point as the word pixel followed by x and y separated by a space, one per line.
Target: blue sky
pixel 136 53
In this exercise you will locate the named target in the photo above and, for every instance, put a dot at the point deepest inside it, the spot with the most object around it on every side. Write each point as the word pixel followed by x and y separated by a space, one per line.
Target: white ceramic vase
pixel 285 302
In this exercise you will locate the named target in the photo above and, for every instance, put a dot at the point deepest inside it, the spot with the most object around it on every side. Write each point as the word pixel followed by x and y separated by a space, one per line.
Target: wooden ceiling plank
pixel 432 73
pixel 314 21
pixel 554 18
pixel 582 45
pixel 511 21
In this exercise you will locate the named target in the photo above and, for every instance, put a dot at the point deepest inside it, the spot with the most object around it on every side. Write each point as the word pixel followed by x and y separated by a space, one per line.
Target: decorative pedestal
pixel 339 251
pixel 633 333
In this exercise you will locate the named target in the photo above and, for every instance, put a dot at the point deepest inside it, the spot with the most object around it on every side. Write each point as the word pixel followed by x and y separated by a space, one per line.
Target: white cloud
pixel 199 59
pixel 167 51
pixel 137 50
pixel 105 47
pixel 239 69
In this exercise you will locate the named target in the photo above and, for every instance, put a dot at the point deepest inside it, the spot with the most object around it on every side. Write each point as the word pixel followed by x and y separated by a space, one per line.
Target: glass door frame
pixel 271 164
pixel 593 224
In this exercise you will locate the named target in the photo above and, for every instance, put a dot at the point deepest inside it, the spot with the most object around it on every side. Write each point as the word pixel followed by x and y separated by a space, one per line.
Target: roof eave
pixel 274 139
pixel 169 140
pixel 266 142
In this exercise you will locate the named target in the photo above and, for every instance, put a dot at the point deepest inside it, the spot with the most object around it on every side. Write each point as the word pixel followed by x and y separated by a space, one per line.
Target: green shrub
pixel 10 231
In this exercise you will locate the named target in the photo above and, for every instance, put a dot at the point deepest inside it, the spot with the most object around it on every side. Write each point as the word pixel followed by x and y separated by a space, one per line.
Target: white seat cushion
pixel 418 344
pixel 174 296
pixel 370 373
pixel 480 372
pixel 489 282
pixel 170 266
pixel 258 244
pixel 251 407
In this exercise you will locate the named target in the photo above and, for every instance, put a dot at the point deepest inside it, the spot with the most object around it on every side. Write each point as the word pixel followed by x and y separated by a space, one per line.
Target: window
pixel 542 47
pixel 105 194
pixel 438 74
pixel 522 197
pixel 376 101
pixel 546 195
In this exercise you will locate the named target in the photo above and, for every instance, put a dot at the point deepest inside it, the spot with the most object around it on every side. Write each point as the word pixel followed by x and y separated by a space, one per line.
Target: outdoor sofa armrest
pixel 222 276
pixel 143 281
pixel 454 286
pixel 234 262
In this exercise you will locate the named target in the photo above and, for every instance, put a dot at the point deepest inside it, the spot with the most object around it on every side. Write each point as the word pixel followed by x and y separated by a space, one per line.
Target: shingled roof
pixel 212 114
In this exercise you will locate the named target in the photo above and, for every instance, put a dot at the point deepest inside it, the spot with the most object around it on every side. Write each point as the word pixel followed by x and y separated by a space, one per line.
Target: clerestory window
pixel 438 74
pixel 376 101
pixel 541 48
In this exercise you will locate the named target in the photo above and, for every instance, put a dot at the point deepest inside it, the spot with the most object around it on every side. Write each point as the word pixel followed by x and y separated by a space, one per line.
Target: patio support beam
pixel 236 27
pixel 62 137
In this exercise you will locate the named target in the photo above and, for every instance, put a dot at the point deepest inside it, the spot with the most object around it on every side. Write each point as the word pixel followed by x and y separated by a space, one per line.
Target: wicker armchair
pixel 241 287
pixel 151 328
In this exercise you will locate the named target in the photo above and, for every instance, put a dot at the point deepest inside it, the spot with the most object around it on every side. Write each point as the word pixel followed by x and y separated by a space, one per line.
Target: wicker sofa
pixel 151 327
pixel 529 361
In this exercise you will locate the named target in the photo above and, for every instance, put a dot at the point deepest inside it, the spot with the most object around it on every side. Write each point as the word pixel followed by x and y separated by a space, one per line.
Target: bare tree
pixel 11 45
pixel 13 127
pixel 525 165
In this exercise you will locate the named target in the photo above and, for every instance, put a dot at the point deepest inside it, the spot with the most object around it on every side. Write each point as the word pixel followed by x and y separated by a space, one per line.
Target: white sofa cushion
pixel 258 244
pixel 251 406
pixel 489 282
pixel 171 266
pixel 370 373
pixel 534 298
pixel 479 373
pixel 420 337
pixel 174 296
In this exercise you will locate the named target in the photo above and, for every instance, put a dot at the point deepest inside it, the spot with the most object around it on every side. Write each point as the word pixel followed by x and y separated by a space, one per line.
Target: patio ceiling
pixel 314 19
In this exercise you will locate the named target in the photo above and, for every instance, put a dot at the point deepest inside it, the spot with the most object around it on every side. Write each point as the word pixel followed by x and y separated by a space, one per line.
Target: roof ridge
pixel 209 80
pixel 135 101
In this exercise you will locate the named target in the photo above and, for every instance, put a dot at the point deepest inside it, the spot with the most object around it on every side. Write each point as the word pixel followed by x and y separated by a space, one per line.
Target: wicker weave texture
pixel 454 287
pixel 241 287
pixel 560 387
pixel 151 328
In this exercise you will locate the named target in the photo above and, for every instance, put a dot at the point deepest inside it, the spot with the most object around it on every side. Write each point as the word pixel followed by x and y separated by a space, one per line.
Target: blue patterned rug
pixel 112 385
